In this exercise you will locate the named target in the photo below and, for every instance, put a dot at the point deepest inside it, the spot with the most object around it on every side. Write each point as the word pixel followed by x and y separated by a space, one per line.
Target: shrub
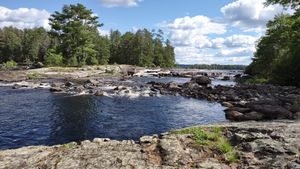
pixel 53 59
pixel 10 64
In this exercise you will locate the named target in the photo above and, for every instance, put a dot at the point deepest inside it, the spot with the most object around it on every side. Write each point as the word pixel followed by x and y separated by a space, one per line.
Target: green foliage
pixel 33 76
pixel 287 3
pixel 10 64
pixel 256 80
pixel 75 28
pixel 214 67
pixel 277 56
pixel 214 139
pixel 74 40
pixel 53 59
pixel 71 145
pixel 143 48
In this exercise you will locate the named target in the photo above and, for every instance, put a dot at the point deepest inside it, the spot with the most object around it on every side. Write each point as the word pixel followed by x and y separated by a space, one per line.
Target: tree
pixel 115 40
pixel 102 46
pixel 158 52
pixel 277 56
pixel 11 44
pixel 35 44
pixel 169 55
pixel 75 28
pixel 287 3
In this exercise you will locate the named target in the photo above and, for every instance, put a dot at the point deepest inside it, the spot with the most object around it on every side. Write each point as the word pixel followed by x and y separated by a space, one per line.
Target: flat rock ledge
pixel 260 145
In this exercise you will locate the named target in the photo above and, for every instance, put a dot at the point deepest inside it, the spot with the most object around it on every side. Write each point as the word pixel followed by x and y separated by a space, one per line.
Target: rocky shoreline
pixel 258 144
pixel 243 102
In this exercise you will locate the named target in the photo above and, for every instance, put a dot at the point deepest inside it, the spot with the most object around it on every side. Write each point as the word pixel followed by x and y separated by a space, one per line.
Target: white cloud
pixel 24 17
pixel 234 41
pixel 117 3
pixel 193 31
pixel 103 32
pixel 200 39
pixel 236 52
pixel 192 55
pixel 251 15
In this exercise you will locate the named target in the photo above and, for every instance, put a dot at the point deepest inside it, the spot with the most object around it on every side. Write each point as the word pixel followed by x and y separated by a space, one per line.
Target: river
pixel 38 117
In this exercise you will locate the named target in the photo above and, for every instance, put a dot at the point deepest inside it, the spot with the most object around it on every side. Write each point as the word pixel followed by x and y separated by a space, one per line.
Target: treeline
pixel 74 40
pixel 277 59
pixel 214 67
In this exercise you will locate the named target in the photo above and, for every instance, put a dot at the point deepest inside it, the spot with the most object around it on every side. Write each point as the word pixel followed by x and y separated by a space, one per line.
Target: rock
pixel 212 164
pixel 120 88
pixel 191 86
pixel 99 93
pixel 16 86
pixel 91 82
pixel 149 139
pixel 173 86
pixel 240 109
pixel 201 80
pixel 56 89
pixel 253 116
pixel 98 140
pixel 226 78
pixel 257 144
pixel 69 84
pixel 227 104
pixel 37 65
pixel 272 111
pixel 234 115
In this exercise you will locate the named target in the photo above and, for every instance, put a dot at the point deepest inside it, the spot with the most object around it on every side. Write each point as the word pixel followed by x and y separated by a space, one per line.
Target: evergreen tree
pixel 75 28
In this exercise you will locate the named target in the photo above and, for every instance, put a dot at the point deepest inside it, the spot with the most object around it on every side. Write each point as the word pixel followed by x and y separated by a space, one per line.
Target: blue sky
pixel 203 32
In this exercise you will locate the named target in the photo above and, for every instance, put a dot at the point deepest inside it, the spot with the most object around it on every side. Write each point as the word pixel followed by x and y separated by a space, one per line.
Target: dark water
pixel 37 117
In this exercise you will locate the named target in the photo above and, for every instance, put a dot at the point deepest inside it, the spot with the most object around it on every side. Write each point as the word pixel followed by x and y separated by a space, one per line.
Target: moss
pixel 214 139
pixel 69 145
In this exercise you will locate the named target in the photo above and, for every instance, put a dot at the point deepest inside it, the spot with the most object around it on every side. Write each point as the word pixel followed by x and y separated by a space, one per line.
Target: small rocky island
pixel 268 137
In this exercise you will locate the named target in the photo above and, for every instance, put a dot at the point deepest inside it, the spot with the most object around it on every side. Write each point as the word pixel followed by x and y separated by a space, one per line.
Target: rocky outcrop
pixel 244 102
pixel 258 144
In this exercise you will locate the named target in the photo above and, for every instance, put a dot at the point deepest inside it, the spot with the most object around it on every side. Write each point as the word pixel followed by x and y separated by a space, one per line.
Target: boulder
pixel 234 115
pixel 226 78
pixel 253 116
pixel 272 111
pixel 99 93
pixel 201 80
pixel 56 89
pixel 173 86
pixel 227 104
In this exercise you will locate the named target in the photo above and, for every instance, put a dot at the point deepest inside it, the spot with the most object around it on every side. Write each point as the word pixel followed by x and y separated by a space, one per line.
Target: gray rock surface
pixel 260 145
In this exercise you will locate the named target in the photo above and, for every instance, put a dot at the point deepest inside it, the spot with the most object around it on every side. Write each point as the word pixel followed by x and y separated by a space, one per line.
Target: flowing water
pixel 38 117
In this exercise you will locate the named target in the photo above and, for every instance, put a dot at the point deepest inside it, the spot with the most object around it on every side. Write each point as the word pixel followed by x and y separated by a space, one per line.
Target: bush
pixel 9 64
pixel 53 59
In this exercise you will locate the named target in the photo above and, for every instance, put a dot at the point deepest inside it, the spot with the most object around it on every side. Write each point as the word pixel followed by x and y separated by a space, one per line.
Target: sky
pixel 202 32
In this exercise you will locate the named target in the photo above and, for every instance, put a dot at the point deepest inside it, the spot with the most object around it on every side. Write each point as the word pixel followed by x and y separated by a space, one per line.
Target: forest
pixel 277 58
pixel 74 40
pixel 214 67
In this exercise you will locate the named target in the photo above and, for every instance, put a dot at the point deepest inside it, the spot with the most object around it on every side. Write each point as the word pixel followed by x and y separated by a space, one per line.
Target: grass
pixel 214 139
pixel 33 76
